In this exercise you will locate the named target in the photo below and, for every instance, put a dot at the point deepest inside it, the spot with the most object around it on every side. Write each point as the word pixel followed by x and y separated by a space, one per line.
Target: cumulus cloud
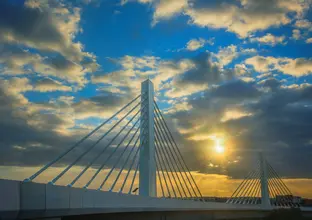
pixel 243 91
pixel 24 125
pixel 136 69
pixel 18 61
pixel 241 17
pixel 23 84
pixel 48 85
pixel 227 54
pixel 205 73
pixel 234 114
pixel 165 9
pixel 248 17
pixel 304 24
pixel 270 83
pixel 47 26
pixel 15 61
pixel 43 129
pixel 269 39
pixel 295 67
pixel 309 40
pixel 94 106
pixel 177 78
pixel 195 44
pixel 296 34
pixel 241 69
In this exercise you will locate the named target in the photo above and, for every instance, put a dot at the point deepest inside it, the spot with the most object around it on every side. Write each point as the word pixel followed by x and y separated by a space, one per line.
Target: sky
pixel 232 70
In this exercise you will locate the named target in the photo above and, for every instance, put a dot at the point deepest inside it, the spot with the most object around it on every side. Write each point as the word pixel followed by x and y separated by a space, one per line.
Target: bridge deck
pixel 35 200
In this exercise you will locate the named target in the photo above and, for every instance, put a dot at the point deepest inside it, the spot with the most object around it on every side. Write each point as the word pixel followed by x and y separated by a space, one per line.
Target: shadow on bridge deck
pixel 292 214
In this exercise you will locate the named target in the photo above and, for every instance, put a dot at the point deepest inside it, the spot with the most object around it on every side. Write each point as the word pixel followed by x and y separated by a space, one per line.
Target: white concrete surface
pixel 147 163
pixel 9 195
pixel 30 200
pixel 32 195
pixel 76 198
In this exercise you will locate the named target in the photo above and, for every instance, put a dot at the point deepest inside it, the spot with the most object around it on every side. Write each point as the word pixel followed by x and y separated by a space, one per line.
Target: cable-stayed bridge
pixel 263 186
pixel 134 165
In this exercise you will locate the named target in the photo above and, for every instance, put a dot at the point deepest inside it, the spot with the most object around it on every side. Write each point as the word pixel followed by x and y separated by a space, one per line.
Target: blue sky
pixel 238 69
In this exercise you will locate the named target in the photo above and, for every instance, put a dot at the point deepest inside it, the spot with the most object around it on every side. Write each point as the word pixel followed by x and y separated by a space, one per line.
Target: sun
pixel 219 146
pixel 219 143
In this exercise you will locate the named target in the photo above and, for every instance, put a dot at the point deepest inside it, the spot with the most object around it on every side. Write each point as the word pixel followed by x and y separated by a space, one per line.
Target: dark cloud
pixel 17 132
pixel 33 134
pixel 31 24
pixel 49 26
pixel 60 63
pixel 49 85
pixel 271 83
pixel 205 72
pixel 105 104
pixel 236 90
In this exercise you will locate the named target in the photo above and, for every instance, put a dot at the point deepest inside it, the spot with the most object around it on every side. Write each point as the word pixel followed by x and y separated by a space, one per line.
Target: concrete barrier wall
pixel 29 200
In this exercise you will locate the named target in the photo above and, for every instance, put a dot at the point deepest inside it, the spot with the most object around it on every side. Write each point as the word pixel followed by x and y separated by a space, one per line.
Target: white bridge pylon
pixel 263 187
pixel 147 162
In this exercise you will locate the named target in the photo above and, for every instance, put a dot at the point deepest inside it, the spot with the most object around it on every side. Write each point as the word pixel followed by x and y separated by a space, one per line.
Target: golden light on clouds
pixel 219 146
pixel 234 114
pixel 219 143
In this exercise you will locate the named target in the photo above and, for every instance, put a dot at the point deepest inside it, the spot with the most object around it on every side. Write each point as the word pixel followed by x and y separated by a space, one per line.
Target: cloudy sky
pixel 233 70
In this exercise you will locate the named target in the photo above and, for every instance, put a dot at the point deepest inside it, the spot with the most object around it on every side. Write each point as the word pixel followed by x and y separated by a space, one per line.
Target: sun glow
pixel 219 146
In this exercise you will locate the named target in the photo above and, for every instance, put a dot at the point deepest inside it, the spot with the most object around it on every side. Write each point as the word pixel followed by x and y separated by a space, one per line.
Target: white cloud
pixel 165 9
pixel 130 62
pixel 242 17
pixel 250 16
pixel 16 85
pixel 47 26
pixel 233 114
pixel 17 61
pixel 264 75
pixel 52 25
pixel 248 50
pixel 227 54
pixel 260 63
pixel 296 34
pixel 304 23
pixel 136 69
pixel 29 115
pixel 309 41
pixel 269 39
pixel 295 67
pixel 195 44
pixel 241 69
pixel 185 90
pixel 247 79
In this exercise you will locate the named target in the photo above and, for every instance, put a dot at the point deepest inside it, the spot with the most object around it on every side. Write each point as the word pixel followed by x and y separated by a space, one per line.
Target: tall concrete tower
pixel 147 166
pixel 265 198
